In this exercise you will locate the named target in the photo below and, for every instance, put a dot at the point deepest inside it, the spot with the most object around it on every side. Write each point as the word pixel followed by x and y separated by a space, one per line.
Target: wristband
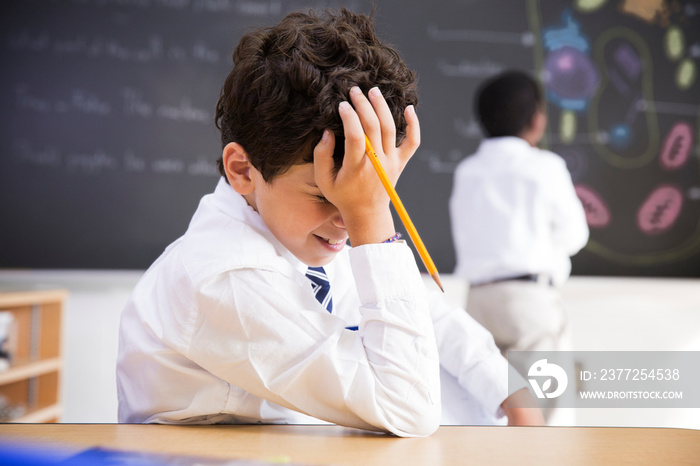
pixel 396 237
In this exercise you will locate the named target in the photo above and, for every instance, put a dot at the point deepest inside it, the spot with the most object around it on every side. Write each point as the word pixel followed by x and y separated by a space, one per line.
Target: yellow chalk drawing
pixel 589 6
pixel 674 43
pixel 567 126
pixel 686 73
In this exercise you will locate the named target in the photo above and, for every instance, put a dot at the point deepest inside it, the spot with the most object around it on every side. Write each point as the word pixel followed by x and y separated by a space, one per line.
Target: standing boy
pixel 236 323
pixel 516 220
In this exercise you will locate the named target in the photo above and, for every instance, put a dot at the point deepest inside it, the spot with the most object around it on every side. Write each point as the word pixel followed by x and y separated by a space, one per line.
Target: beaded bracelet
pixel 396 237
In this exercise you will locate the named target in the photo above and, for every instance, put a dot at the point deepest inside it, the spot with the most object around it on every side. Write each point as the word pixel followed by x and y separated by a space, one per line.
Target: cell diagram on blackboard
pixel 621 80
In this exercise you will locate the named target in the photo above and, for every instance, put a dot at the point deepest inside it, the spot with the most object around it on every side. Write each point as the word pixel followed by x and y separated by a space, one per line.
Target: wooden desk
pixel 450 445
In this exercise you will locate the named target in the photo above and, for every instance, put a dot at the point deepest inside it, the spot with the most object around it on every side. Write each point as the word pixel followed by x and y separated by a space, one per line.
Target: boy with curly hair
pixel 235 322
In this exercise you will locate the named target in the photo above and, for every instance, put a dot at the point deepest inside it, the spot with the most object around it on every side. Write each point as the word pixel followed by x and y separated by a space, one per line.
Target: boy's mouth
pixel 333 243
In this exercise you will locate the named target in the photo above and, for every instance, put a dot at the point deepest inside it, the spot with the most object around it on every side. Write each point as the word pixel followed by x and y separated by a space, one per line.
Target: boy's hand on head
pixel 356 189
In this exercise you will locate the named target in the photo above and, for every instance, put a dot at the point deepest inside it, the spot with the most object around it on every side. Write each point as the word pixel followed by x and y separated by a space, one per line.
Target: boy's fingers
pixel 410 144
pixel 368 116
pixel 354 136
pixel 386 119
pixel 323 157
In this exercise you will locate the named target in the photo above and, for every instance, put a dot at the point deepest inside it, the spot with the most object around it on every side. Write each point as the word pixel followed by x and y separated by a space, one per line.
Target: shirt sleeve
pixel 569 226
pixel 263 332
pixel 468 353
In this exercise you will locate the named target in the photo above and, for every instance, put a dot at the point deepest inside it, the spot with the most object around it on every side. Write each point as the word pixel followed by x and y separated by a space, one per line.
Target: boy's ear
pixel 540 121
pixel 237 168
pixel 534 132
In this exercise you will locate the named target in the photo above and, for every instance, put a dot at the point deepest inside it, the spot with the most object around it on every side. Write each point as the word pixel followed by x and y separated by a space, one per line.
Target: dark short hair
pixel 287 81
pixel 506 103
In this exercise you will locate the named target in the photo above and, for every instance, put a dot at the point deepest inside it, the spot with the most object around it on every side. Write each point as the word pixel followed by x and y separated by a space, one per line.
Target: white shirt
pixel 514 211
pixel 224 328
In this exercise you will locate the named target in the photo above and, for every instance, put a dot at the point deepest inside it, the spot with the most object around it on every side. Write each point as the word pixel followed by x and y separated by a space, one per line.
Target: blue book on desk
pixel 105 456
pixel 12 455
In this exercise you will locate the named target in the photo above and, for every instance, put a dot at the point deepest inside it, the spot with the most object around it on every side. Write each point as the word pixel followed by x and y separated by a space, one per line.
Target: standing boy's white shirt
pixel 514 211
pixel 200 337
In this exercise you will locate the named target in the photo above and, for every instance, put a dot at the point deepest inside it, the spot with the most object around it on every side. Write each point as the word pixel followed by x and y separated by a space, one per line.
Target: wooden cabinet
pixel 32 382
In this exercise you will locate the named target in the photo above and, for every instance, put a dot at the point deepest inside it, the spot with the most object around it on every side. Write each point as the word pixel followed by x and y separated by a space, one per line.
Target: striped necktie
pixel 321 286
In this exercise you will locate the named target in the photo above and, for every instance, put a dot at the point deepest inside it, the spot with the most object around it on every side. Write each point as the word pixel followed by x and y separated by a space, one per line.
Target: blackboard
pixel 107 140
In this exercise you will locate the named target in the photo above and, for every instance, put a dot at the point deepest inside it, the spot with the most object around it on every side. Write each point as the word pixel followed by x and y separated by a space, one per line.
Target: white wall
pixel 643 314
pixel 607 314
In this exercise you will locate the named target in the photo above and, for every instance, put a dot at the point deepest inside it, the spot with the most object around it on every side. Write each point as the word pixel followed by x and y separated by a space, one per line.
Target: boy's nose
pixel 337 220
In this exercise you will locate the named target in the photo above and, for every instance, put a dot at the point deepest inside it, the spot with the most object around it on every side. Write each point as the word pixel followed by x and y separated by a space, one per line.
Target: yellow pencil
pixel 401 210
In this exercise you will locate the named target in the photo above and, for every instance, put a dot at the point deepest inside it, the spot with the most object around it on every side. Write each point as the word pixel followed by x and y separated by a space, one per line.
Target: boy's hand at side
pixel 356 189
pixel 522 410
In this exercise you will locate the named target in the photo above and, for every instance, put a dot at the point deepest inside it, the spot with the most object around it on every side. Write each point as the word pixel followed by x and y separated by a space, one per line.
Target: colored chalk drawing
pixel 677 147
pixel 589 5
pixel 623 55
pixel 660 210
pixel 624 107
pixel 571 76
pixel 597 211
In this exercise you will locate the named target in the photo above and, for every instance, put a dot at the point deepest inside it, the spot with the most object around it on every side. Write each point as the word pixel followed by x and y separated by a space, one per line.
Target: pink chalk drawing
pixel 677 146
pixel 660 210
pixel 597 211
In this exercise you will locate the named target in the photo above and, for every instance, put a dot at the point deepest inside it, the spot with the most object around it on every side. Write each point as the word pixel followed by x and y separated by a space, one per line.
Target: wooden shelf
pixel 22 298
pixel 28 370
pixel 51 413
pixel 32 383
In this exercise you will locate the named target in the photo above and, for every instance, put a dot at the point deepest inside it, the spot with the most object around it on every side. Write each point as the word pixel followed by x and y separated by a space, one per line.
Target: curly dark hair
pixel 287 81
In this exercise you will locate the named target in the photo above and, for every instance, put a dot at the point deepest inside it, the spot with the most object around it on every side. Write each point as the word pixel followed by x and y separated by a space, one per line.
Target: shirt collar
pixel 234 205
pixel 504 144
